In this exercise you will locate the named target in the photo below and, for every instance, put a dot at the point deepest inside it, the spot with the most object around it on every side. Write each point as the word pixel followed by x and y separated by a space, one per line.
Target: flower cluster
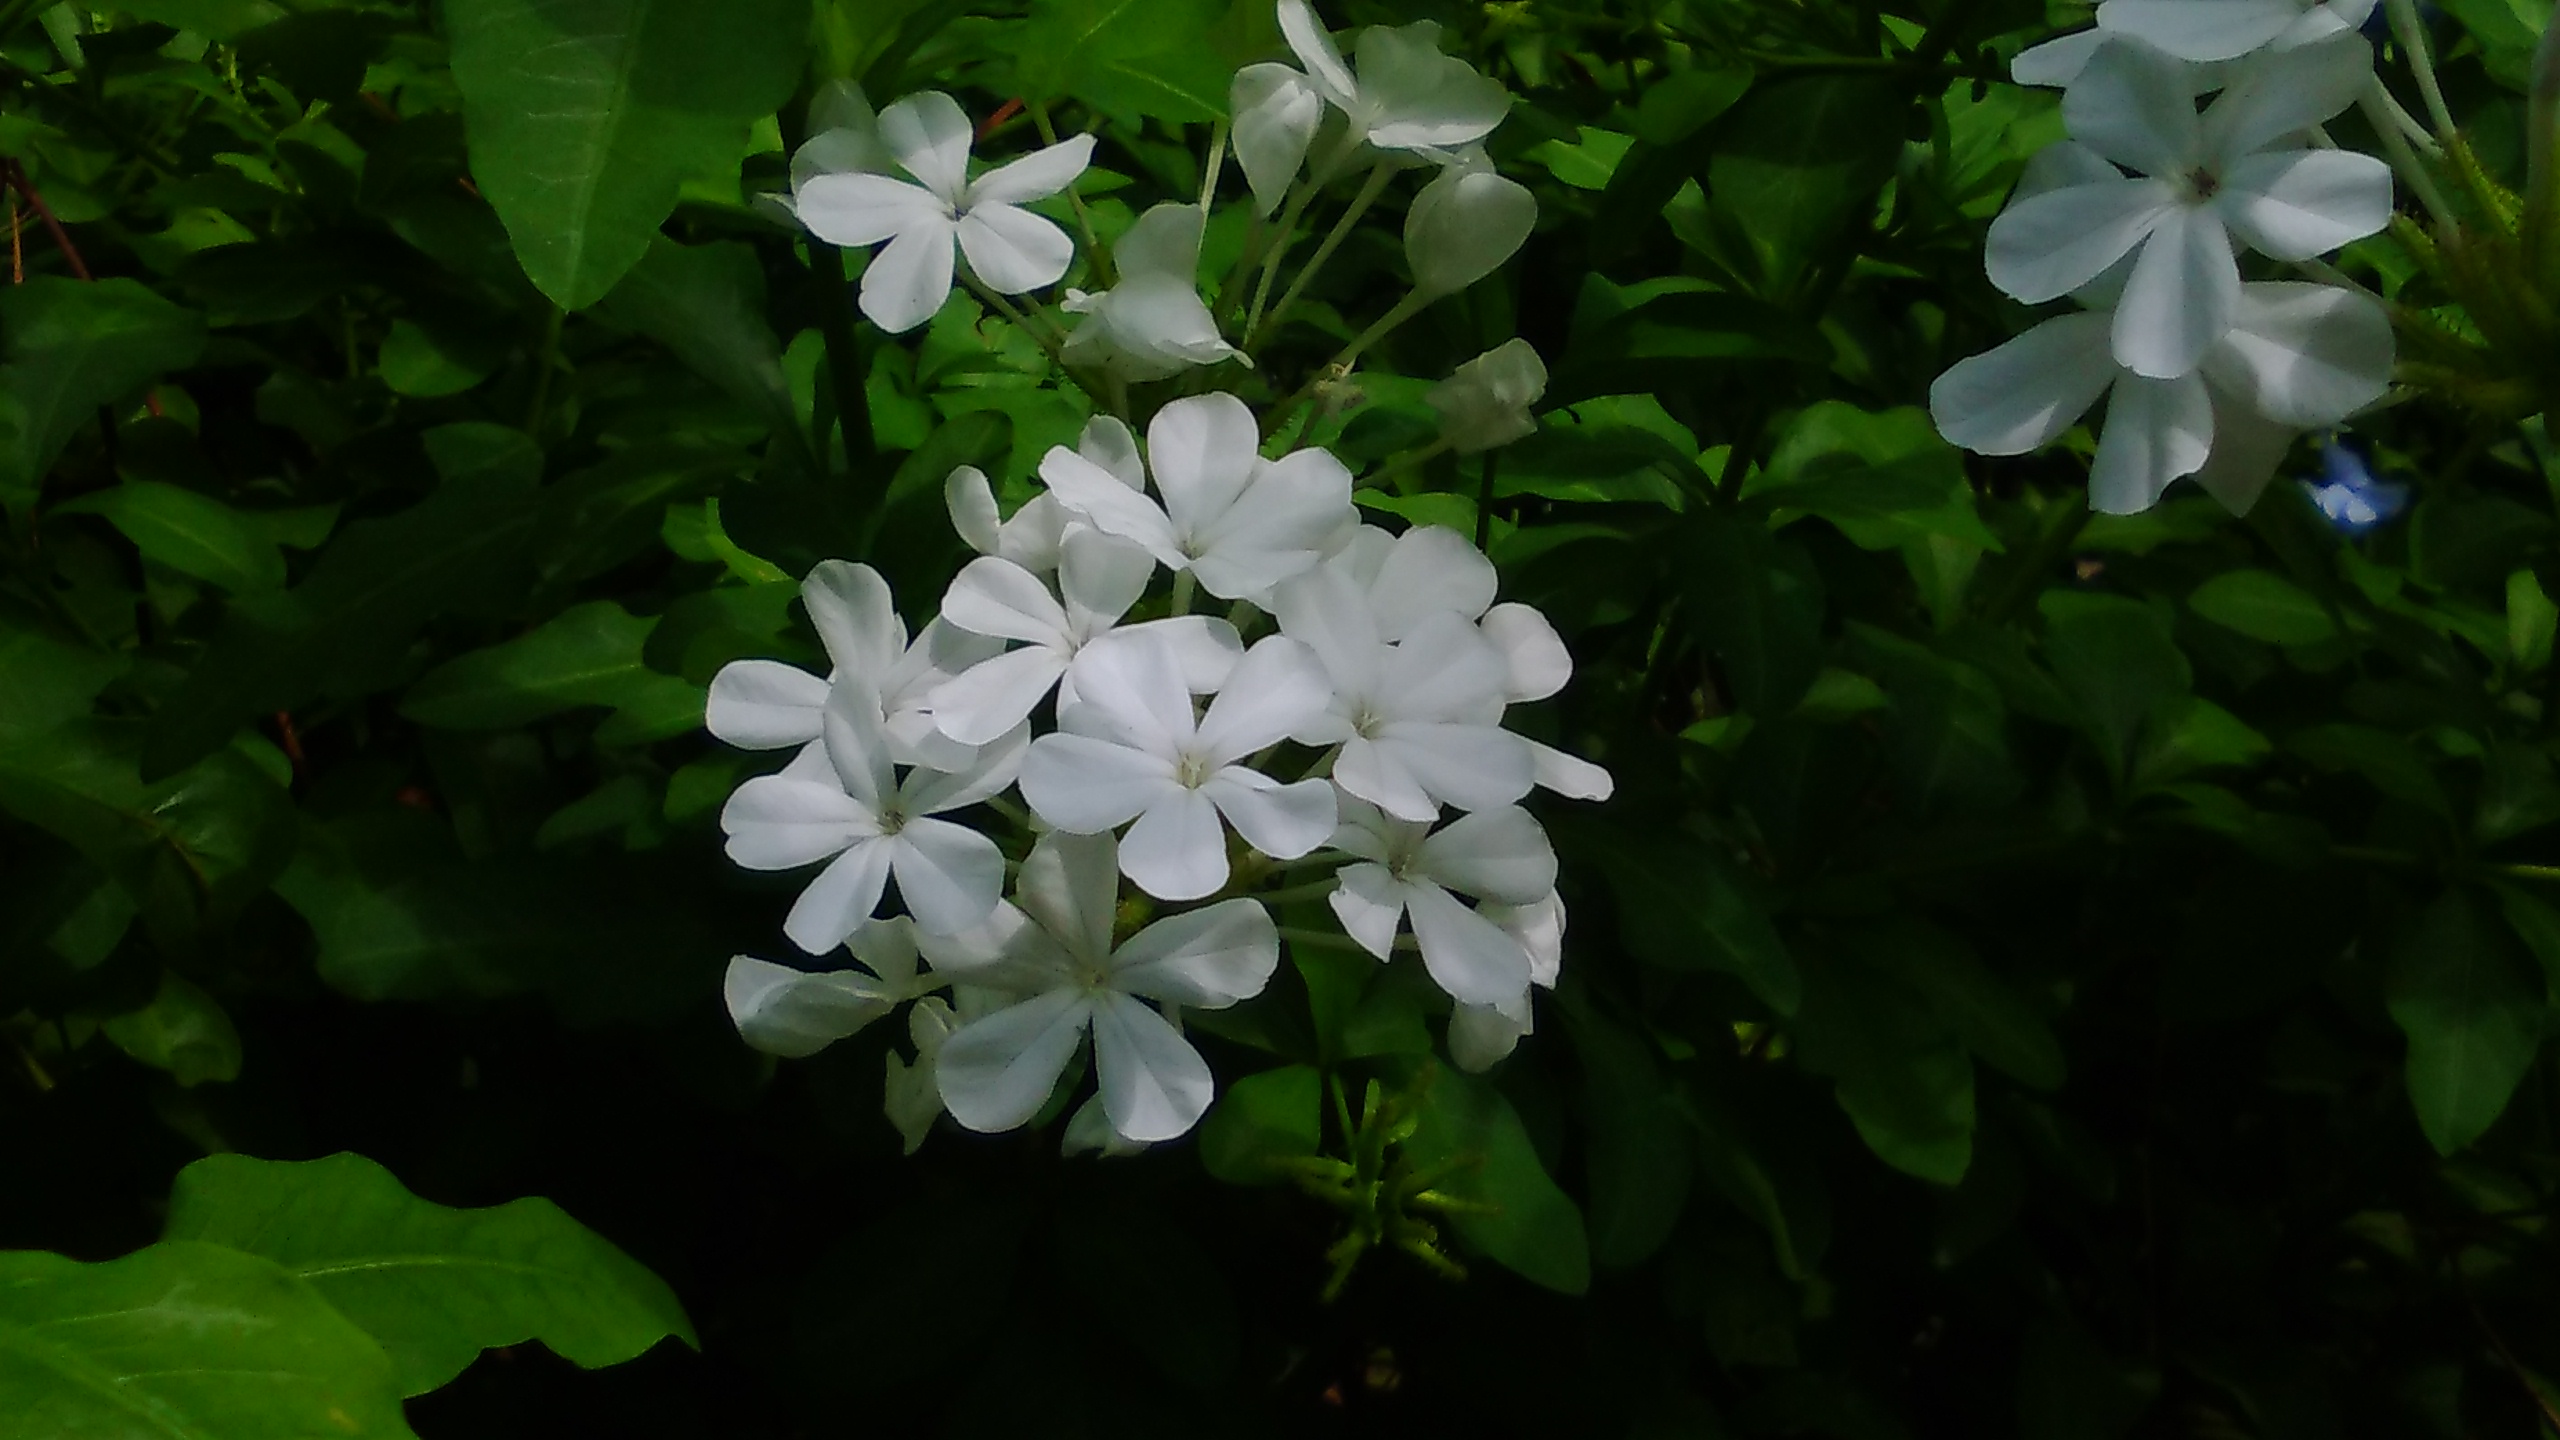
pixel 2143 217
pixel 1182 684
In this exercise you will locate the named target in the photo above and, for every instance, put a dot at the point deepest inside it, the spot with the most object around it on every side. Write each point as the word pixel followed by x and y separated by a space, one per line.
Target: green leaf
pixel 1133 58
pixel 46 680
pixel 1467 1128
pixel 1902 1075
pixel 1680 907
pixel 1800 160
pixel 190 533
pixel 2191 735
pixel 184 1341
pixel 1946 733
pixel 2263 606
pixel 1884 478
pixel 213 19
pixel 586 116
pixel 1992 1020
pixel 586 655
pixel 71 346
pixel 1639 1141
pixel 434 1286
pixel 2115 659
pixel 1697 336
pixel 2462 988
pixel 345 629
pixel 1260 1120
pixel 706 304
pixel 2531 621
pixel 1757 602
pixel 427 364
pixel 183 1031
pixel 2387 762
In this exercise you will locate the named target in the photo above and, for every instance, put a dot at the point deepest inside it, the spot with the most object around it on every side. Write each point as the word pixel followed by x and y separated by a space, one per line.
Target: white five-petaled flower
pixel 1056 952
pixel 1407 95
pixel 1029 537
pixel 1239 523
pixel 1485 402
pixel 842 802
pixel 2205 179
pixel 1480 1035
pixel 1009 249
pixel 796 1013
pixel 1407 870
pixel 2298 356
pixel 1465 223
pixel 1152 324
pixel 1418 719
pixel 2207 32
pixel 1099 577
pixel 767 705
pixel 1127 749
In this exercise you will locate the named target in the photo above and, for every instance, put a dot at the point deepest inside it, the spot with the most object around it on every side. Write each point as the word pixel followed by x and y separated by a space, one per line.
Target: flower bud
pixel 1276 112
pixel 1464 224
pixel 1486 402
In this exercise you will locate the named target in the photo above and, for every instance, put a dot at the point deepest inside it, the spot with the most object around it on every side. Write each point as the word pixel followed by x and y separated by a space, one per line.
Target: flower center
pixel 1366 722
pixel 2202 184
pixel 893 818
pixel 1192 771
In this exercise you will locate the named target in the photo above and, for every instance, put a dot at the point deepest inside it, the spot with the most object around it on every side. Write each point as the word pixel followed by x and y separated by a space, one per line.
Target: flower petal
pixel 910 278
pixel 2137 107
pixel 1376 772
pixel 1568 775
pixel 1282 821
pixel 764 705
pixel 993 696
pixel 1084 785
pixel 1469 956
pixel 929 134
pixel 856 748
pixel 1177 850
pixel 2284 92
pixel 2157 430
pixel 1277 528
pixel 1463 226
pixel 2200 30
pixel 1325 611
pixel 775 822
pixel 2182 296
pixel 1497 854
pixel 1532 652
pixel 1205 959
pixel 1070 885
pixel 997 597
pixel 1419 96
pixel 1202 450
pixel 2295 204
pixel 793 1013
pixel 1109 505
pixel 1129 689
pixel 1369 901
pixel 1038 175
pixel 997 1071
pixel 972 503
pixel 1480 1036
pixel 1276 110
pixel 1100 576
pixel 856 618
pixel 842 896
pixel 2248 449
pixel 2304 355
pixel 2046 246
pixel 1013 250
pixel 990 769
pixel 949 875
pixel 1316 51
pixel 1430 568
pixel 1154 1085
pixel 1165 241
pixel 1277 687
pixel 856 209
pixel 1205 647
pixel 1473 767
pixel 2009 400
pixel 1444 670
pixel 2057 61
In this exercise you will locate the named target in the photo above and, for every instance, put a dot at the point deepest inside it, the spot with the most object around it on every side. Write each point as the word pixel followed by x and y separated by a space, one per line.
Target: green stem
pixel 2413 172
pixel 1216 167
pixel 1370 189
pixel 844 359
pixel 1405 309
pixel 546 358
pixel 1075 198
pixel 1411 459
pixel 2412 36
pixel 1183 584
pixel 1484 499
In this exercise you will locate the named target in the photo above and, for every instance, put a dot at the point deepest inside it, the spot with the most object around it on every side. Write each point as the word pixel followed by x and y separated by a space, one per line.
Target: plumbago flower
pixel 2297 357
pixel 2205 179
pixel 936 208
pixel 1406 96
pixel 1053 949
pixel 1065 715
pixel 2206 32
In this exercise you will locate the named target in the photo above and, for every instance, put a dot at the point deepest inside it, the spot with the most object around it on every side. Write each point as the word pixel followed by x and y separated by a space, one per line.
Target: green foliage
pixel 2045 974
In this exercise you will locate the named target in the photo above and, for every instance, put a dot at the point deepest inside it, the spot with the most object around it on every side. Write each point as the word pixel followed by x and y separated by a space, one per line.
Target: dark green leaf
pixel 71 346
pixel 1261 1119
pixel 1639 1158
pixel 1130 57
pixel 183 1031
pixel 1681 907
pixel 190 533
pixel 1534 1229
pixel 2464 991
pixel 1757 602
pixel 586 655
pixel 2263 607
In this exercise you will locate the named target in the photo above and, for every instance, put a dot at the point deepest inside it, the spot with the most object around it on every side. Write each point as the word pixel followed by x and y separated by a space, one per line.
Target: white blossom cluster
pixel 1182 678
pixel 2194 140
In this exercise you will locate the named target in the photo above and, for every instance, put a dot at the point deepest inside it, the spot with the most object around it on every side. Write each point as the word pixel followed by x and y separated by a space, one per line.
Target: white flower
pixel 1089 1132
pixel 795 1013
pixel 1056 951
pixel 2205 30
pixel 2208 177
pixel 1276 111
pixel 2297 356
pixel 1009 249
pixel 909 1093
pixel 1239 523
pixel 1408 870
pixel 844 136
pixel 1480 1035
pixel 1153 323
pixel 842 800
pixel 1464 224
pixel 1099 578
pixel 1030 537
pixel 1486 402
pixel 767 705
pixel 1431 569
pixel 1408 95
pixel 1127 748
pixel 1418 720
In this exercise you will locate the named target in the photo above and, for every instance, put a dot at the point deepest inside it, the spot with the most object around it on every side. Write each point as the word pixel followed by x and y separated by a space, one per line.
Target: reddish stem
pixel 19 182
pixel 1004 112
